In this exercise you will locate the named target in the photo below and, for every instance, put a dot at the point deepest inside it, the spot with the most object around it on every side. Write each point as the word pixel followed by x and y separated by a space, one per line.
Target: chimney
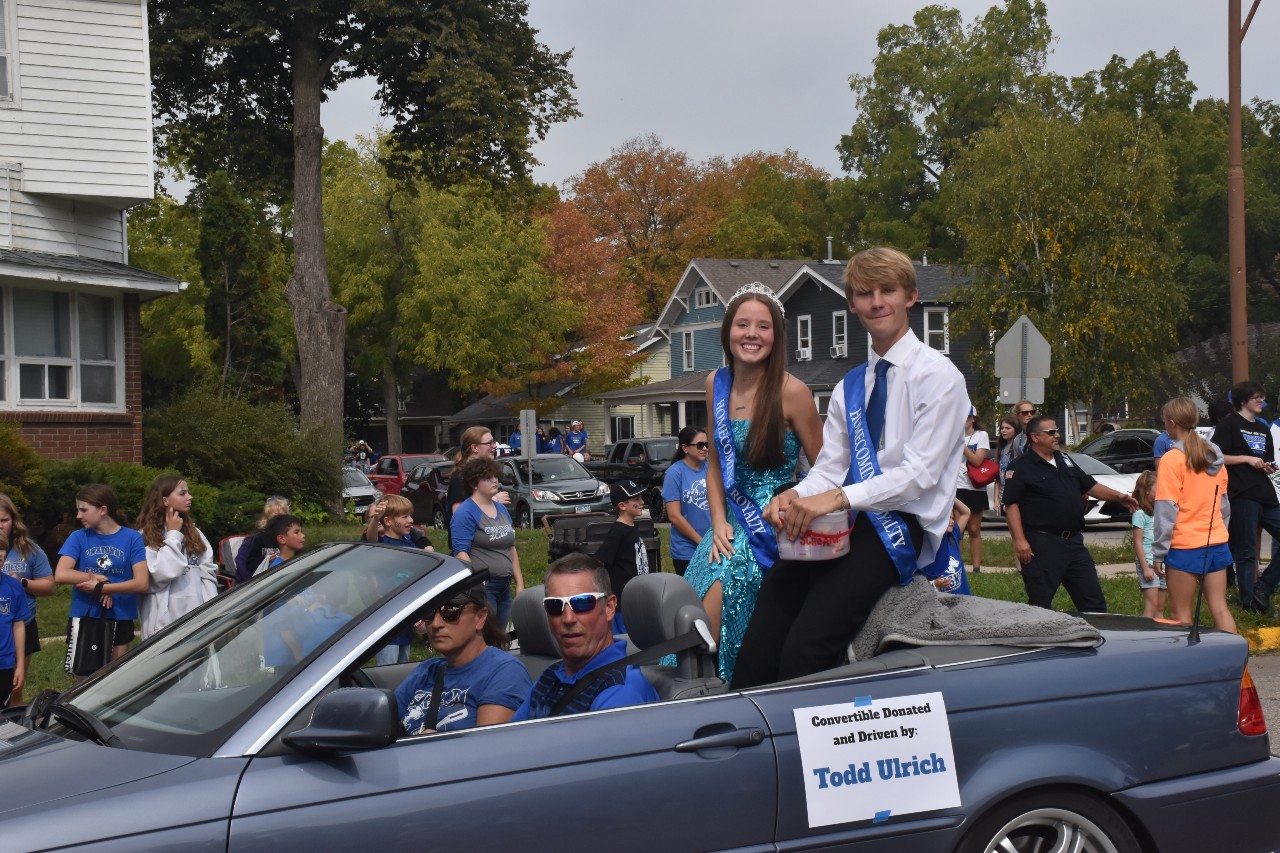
pixel 924 258
pixel 829 258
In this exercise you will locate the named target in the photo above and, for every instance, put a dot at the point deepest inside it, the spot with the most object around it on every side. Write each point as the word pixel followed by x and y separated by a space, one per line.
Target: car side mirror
pixel 349 718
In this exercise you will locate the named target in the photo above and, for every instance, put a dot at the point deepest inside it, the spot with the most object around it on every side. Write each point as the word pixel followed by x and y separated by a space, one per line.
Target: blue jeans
pixel 498 591
pixel 392 654
pixel 1246 517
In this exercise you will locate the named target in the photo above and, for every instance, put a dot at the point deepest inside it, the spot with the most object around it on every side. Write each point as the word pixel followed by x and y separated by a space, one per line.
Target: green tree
pixel 935 84
pixel 777 207
pixel 238 85
pixel 1064 221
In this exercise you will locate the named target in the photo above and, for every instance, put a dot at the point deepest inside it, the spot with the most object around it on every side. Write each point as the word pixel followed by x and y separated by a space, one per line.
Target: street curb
pixel 1262 639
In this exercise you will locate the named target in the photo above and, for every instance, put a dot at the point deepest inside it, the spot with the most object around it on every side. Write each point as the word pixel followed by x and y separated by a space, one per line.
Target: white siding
pixel 81 121
pixel 66 226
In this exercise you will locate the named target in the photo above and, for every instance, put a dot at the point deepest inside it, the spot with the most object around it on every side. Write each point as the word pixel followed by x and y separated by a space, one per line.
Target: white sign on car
pixel 875 758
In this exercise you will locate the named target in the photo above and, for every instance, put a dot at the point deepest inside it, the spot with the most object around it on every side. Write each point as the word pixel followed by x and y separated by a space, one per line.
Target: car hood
pixel 578 485
pixel 53 768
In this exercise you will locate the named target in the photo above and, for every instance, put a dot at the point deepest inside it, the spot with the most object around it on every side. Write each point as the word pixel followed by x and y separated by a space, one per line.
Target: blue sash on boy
pixel 864 465
pixel 764 543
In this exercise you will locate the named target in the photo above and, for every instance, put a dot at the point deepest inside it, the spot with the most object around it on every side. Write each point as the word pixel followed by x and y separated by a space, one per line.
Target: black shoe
pixel 977 570
pixel 1258 604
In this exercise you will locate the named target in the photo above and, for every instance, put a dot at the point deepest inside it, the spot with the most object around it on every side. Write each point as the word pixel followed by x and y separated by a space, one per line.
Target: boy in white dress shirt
pixel 904 416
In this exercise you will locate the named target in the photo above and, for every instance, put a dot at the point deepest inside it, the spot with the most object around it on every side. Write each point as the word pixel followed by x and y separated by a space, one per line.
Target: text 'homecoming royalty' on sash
pixel 764 543
pixel 863 465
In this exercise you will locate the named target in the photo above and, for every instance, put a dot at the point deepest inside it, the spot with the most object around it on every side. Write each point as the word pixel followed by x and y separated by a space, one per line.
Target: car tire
pixel 657 506
pixel 437 518
pixel 1051 819
pixel 524 517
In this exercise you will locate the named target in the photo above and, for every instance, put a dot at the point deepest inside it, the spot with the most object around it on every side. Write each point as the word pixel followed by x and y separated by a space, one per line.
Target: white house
pixel 75 154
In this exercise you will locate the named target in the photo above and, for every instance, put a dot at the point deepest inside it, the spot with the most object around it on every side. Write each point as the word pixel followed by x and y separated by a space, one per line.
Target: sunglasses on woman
pixel 701 445
pixel 450 612
pixel 584 603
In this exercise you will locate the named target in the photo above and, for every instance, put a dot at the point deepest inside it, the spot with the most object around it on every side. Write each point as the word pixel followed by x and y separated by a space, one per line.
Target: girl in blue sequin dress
pixel 761 418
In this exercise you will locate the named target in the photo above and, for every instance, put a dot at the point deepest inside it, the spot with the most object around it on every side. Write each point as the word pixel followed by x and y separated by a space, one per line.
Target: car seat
pixel 658 607
pixel 538 648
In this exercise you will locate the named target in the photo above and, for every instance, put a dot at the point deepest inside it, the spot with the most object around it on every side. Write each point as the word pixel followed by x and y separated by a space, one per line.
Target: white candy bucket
pixel 826 539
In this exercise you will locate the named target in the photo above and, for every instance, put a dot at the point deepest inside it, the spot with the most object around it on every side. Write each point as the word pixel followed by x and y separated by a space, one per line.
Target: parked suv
pixel 644 460
pixel 1129 451
pixel 550 483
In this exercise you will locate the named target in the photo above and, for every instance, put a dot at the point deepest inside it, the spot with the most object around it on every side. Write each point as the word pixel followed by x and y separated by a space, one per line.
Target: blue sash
pixel 863 465
pixel 763 541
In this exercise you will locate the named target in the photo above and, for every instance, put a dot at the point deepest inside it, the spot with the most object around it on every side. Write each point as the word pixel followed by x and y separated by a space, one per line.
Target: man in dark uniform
pixel 1044 503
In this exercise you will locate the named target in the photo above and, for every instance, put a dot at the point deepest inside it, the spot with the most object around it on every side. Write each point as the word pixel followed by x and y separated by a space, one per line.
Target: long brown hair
pixel 19 536
pixel 1001 442
pixel 765 438
pixel 1183 412
pixel 104 497
pixel 1144 492
pixel 472 435
pixel 151 518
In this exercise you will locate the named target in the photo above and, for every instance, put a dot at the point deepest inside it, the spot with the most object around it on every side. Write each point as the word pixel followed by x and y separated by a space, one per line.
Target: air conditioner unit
pixel 804 354
pixel 838 351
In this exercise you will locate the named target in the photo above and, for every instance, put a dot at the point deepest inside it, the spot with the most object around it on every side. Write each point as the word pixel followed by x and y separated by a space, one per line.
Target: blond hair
pixel 873 268
pixel 395 506
pixel 1182 412
pixel 272 508
pixel 1144 492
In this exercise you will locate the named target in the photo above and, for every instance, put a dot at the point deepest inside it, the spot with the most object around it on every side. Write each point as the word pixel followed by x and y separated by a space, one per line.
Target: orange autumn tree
pixel 595 349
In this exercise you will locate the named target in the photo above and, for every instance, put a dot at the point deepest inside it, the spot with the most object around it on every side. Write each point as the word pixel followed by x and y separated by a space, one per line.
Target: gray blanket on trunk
pixel 919 615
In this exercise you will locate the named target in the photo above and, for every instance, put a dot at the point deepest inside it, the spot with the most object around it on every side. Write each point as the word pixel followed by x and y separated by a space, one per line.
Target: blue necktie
pixel 875 406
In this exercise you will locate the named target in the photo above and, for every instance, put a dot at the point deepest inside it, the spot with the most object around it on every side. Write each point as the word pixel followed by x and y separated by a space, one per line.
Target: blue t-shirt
pixel 32 568
pixel 114 556
pixel 949 565
pixel 1162 445
pixel 13 608
pixel 493 678
pixel 575 441
pixel 606 692
pixel 682 483
pixel 303 618
pixel 515 440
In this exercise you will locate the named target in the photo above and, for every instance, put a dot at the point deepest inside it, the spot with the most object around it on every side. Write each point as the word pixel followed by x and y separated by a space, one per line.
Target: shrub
pixel 51 514
pixel 20 467
pixel 223 442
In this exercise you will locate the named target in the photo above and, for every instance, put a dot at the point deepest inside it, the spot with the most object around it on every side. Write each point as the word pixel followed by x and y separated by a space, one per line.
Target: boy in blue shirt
pixel 14 613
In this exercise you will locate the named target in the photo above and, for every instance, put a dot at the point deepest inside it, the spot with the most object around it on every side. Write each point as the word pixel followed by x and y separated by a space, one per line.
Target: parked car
pixel 190 741
pixel 1095 511
pixel 550 483
pixel 358 493
pixel 644 460
pixel 425 489
pixel 390 473
pixel 1128 451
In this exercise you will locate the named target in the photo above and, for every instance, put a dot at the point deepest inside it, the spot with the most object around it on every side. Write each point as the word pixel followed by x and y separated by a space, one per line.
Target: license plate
pixel 583 508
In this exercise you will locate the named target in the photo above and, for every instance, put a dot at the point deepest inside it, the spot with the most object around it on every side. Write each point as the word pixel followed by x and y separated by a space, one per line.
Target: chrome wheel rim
pixel 1051 831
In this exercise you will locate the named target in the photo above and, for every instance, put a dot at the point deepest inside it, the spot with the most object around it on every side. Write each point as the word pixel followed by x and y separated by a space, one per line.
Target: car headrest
pixel 662 606
pixel 530 621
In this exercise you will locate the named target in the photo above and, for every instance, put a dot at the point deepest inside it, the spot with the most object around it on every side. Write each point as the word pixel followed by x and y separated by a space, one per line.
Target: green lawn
pixel 1123 593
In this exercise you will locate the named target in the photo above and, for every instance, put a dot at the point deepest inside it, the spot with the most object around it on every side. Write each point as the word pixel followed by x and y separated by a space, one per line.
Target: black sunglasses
pixel 450 612
pixel 701 445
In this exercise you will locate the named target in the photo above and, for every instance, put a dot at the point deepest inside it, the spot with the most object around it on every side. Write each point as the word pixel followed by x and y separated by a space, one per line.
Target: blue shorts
pixel 1199 561
pixel 1157 583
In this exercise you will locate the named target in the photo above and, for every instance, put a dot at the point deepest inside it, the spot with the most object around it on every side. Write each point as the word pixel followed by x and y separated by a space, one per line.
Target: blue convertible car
pixel 213 736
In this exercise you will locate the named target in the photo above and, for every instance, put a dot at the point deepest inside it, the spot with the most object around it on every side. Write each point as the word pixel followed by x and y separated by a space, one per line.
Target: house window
pixel 839 334
pixel 804 337
pixel 704 298
pixel 687 339
pixel 65 348
pixel 937 332
pixel 822 400
pixel 623 427
pixel 7 67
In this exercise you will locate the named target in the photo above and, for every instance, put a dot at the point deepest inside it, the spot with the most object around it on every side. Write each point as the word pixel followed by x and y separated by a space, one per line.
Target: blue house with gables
pixel 824 340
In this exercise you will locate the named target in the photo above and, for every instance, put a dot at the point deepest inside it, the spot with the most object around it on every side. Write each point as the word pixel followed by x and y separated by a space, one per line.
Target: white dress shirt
pixel 921 443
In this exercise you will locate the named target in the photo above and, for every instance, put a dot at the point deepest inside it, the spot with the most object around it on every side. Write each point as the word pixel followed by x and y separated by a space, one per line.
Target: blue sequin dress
pixel 740 575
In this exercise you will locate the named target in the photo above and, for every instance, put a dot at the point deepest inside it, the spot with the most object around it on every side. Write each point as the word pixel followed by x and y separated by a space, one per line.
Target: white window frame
pixel 686 345
pixel 704 297
pixel 931 314
pixel 9 52
pixel 11 363
pixel 616 423
pixel 840 329
pixel 822 400
pixel 804 333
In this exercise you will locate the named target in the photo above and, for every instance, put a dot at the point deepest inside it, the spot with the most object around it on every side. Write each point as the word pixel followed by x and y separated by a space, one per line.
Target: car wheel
pixel 437 518
pixel 524 518
pixel 657 506
pixel 1056 819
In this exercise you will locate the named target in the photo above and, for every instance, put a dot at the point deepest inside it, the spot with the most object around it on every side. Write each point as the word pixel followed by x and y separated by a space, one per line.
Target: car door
pixel 691 775
pixel 1132 455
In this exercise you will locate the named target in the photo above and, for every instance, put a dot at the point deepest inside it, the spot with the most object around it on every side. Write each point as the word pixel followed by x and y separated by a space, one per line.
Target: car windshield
pixel 559 468
pixel 660 450
pixel 185 690
pixel 1091 466
pixel 354 479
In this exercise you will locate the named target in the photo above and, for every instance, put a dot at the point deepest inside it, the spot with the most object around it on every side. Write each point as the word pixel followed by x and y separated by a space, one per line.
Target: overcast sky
pixel 726 77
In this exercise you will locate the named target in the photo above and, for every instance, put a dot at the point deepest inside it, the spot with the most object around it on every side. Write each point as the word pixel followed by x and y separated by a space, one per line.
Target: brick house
pixel 75 155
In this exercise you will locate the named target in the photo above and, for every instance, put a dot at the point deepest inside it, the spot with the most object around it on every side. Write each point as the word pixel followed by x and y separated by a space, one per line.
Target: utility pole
pixel 1235 195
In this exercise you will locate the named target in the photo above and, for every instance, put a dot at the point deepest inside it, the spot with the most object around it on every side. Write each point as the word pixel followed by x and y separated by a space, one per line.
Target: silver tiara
pixel 758 289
